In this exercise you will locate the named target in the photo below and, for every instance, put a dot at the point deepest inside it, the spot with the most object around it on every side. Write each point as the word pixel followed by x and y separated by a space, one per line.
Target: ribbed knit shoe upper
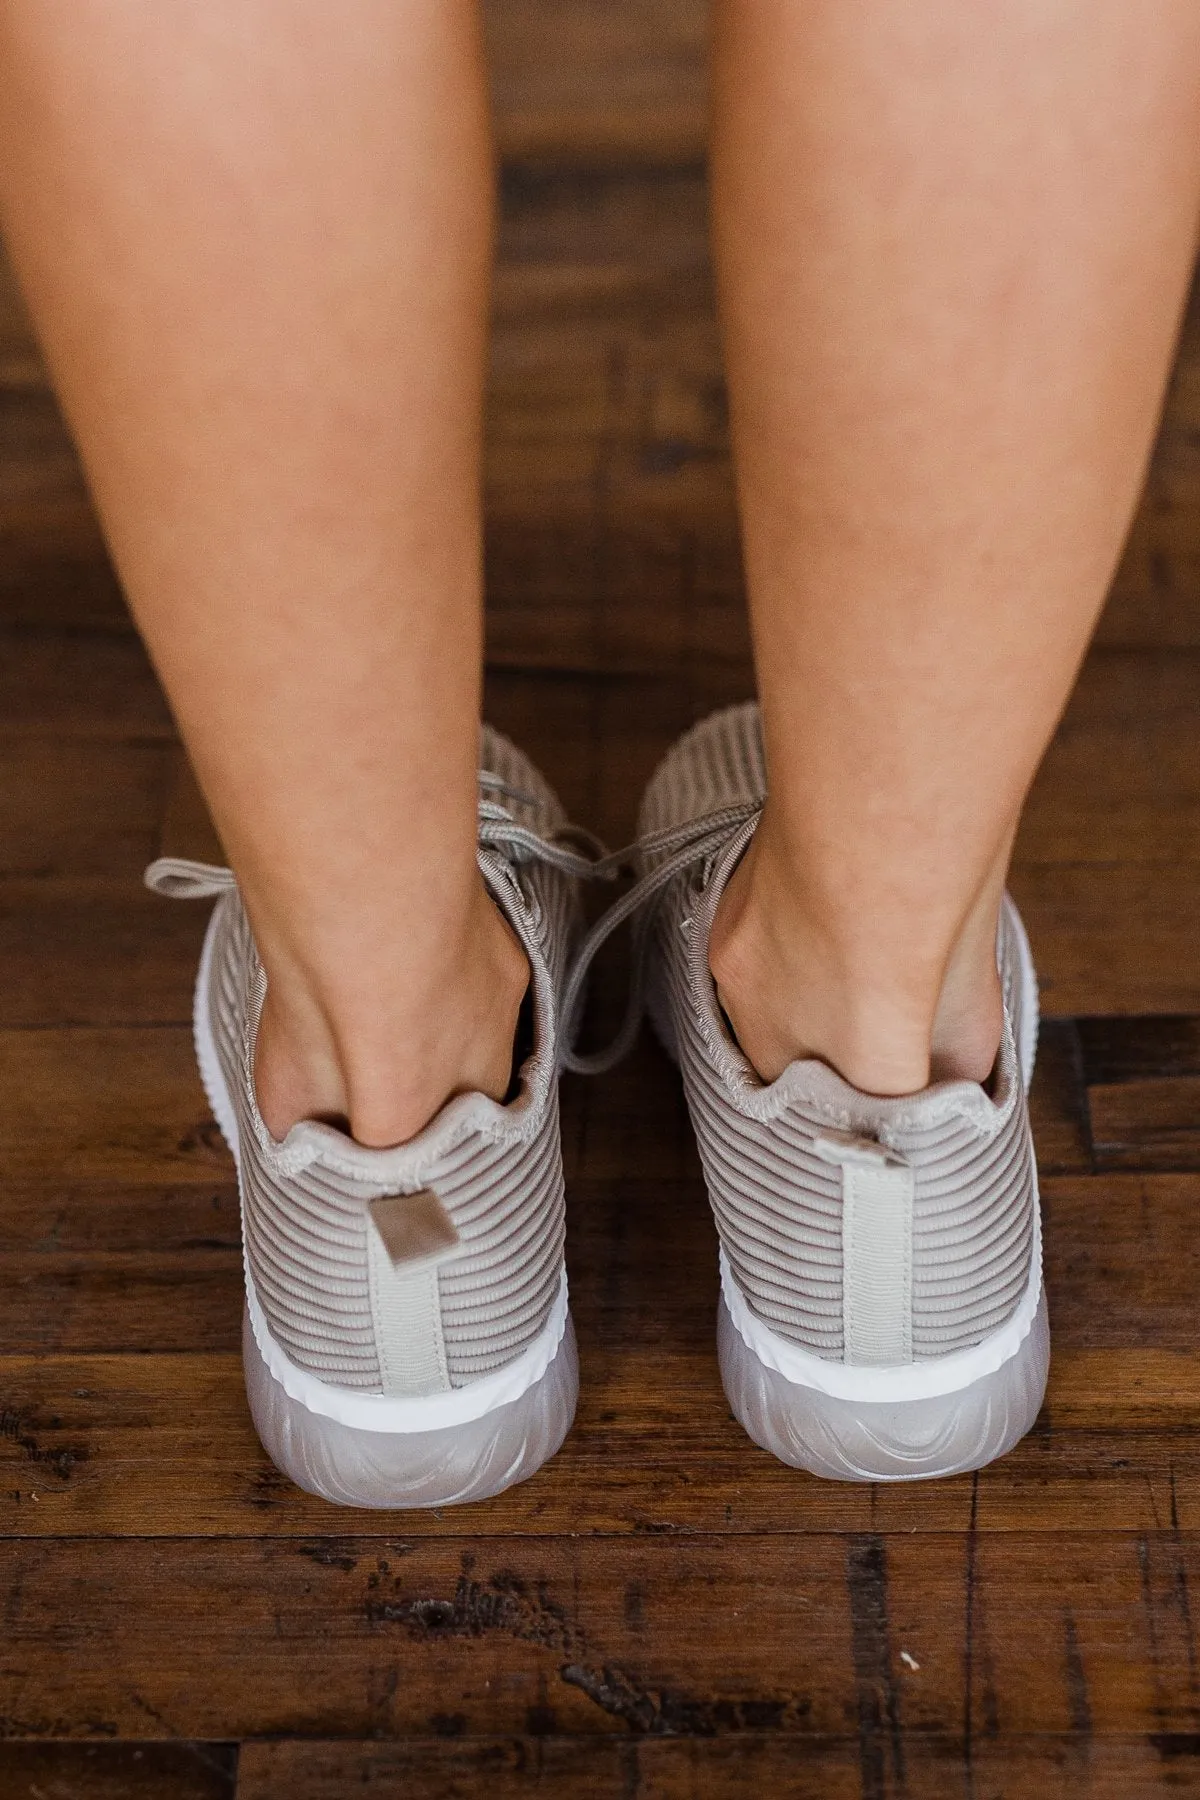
pixel 474 1203
pixel 866 1230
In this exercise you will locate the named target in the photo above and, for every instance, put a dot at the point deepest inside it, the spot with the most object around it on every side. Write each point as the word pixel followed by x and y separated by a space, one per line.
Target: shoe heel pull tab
pixel 181 879
pixel 409 1236
pixel 846 1148
pixel 415 1229
pixel 877 1248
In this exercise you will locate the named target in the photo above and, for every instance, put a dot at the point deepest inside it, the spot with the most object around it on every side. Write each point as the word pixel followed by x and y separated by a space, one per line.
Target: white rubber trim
pixel 907 1381
pixel 929 1379
pixel 426 1412
pixel 366 1412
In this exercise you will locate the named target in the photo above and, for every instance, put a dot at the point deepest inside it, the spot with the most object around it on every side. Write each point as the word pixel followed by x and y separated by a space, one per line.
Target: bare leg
pixel 255 235
pixel 953 247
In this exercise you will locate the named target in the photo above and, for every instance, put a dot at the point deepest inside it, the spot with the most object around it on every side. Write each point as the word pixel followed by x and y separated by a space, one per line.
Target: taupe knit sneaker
pixel 882 1314
pixel 406 1338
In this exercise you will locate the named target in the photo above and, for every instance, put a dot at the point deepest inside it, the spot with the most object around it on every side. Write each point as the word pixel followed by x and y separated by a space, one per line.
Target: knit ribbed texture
pixel 497 1171
pixel 778 1203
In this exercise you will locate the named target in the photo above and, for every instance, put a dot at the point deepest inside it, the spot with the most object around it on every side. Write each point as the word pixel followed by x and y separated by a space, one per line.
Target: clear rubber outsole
pixel 867 1440
pixel 406 1469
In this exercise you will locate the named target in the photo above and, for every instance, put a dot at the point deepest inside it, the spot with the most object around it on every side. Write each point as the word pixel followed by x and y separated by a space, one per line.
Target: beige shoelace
pixel 681 846
pixel 576 852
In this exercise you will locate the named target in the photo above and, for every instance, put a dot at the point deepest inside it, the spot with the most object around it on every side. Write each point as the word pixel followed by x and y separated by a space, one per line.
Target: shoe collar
pixel 465 1115
pixel 808 1082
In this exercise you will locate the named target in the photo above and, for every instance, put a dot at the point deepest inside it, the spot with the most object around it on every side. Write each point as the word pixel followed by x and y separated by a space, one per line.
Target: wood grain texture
pixel 120 1103
pixel 1061 1767
pixel 599 79
pixel 1151 1124
pixel 1136 716
pixel 118 1771
pixel 1113 938
pixel 156 1445
pixel 1155 594
pixel 1142 1077
pixel 664 1611
pixel 50 974
pixel 607 437
pixel 76 807
pixel 82 684
pixel 367 1636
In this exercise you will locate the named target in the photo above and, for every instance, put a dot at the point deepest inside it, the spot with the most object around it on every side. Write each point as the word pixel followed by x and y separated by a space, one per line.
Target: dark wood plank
pixel 161 1446
pixel 1116 1049
pixel 118 1104
pixel 53 568
pixel 187 829
pixel 147 1300
pixel 76 684
pixel 46 1216
pixel 634 1768
pixel 1123 1259
pixel 118 1771
pixel 1058 1101
pixel 348 1636
pixel 577 236
pixel 79 807
pixel 1156 595
pixel 42 496
pixel 1143 1091
pixel 620 81
pixel 95 952
pixel 1116 938
pixel 59 584
pixel 20 365
pixel 1146 1124
pixel 1067 1766
pixel 1150 1388
pixel 1121 781
pixel 121 1265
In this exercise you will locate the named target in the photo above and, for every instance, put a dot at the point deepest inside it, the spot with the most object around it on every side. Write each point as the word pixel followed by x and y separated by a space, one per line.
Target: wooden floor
pixel 664 1612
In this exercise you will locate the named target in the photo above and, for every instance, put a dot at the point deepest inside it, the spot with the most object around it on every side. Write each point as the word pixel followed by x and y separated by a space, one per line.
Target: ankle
pixel 890 1008
pixel 379 1060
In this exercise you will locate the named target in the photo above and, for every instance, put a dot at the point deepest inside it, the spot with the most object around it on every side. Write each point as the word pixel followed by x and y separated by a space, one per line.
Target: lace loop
pixel 681 846
pixel 182 878
pixel 499 830
pixel 573 851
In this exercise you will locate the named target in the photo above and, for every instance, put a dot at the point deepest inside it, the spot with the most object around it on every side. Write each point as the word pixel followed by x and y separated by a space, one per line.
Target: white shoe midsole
pixel 424 1412
pixel 349 1406
pixel 907 1381
pixel 936 1375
